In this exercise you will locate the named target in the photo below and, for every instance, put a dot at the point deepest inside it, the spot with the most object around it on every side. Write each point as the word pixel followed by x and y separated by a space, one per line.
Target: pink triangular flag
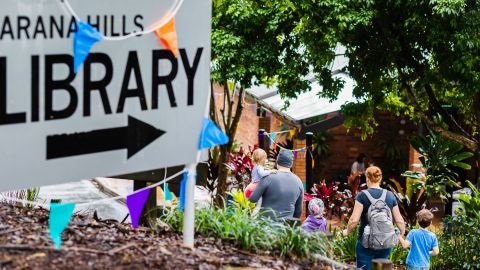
pixel 135 204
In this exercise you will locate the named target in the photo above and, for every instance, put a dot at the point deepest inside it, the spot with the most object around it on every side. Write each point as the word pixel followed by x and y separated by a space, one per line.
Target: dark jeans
pixel 366 255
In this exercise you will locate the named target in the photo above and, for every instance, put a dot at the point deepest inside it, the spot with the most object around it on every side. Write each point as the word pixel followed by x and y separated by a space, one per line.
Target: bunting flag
pixel 295 154
pixel 135 204
pixel 183 184
pixel 292 133
pixel 313 163
pixel 166 191
pixel 85 37
pixel 60 215
pixel 211 135
pixel 273 136
pixel 167 35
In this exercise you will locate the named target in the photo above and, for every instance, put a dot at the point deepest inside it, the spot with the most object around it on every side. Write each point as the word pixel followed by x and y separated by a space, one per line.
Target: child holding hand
pixel 422 243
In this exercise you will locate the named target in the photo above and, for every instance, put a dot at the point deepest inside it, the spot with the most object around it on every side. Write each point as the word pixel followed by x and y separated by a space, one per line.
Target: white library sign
pixel 132 106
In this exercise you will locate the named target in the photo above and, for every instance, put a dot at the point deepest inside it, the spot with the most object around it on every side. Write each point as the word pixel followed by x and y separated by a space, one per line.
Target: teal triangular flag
pixel 168 194
pixel 272 138
pixel 85 37
pixel 211 135
pixel 60 215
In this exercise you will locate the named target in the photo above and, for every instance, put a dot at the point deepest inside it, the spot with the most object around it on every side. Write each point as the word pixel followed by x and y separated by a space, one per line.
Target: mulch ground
pixel 89 243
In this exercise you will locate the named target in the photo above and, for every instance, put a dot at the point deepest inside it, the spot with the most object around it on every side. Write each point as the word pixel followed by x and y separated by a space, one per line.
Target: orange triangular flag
pixel 167 35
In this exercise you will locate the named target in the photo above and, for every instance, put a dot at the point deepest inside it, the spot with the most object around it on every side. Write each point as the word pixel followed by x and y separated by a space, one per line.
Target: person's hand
pixel 345 232
pixel 273 171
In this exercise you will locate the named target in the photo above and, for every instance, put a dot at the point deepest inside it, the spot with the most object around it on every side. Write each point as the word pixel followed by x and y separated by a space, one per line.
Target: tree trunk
pixel 220 198
pixel 230 118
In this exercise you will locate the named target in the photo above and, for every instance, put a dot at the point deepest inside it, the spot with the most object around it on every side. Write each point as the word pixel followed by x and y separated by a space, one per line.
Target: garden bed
pixel 89 243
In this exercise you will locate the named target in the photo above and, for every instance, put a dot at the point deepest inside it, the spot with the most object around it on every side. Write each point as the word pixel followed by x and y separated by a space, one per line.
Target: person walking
pixel 374 208
pixel 282 192
pixel 422 243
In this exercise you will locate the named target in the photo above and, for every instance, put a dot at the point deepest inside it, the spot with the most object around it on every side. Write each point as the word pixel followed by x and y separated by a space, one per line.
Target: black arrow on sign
pixel 134 137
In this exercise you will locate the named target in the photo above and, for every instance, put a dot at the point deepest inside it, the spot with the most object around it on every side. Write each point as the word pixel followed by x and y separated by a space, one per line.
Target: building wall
pixel 391 135
pixel 247 131
pixel 344 146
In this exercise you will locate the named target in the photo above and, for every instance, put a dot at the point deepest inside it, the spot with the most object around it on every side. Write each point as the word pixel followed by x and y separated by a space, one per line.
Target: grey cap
pixel 285 158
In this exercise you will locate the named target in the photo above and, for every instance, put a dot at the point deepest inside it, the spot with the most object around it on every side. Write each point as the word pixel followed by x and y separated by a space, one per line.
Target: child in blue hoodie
pixel 315 222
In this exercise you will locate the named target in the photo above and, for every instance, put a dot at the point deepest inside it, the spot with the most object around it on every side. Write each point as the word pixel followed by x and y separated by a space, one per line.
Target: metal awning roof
pixel 306 105
pixel 309 104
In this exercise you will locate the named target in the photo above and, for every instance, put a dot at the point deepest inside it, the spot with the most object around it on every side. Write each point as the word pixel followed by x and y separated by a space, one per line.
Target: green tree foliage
pixel 252 43
pixel 439 155
pixel 411 57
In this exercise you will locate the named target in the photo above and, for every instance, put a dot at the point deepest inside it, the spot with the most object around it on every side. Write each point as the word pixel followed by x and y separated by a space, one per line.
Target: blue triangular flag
pixel 168 194
pixel 60 215
pixel 85 37
pixel 183 184
pixel 211 135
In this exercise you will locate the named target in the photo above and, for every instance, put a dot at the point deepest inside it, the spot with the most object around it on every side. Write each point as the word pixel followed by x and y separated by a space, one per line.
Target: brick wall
pixel 299 164
pixel 247 131
pixel 345 147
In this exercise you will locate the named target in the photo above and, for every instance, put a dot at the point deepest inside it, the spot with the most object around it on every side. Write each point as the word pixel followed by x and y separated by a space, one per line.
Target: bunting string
pixel 47 206
pixel 65 4
pixel 272 141
pixel 277 132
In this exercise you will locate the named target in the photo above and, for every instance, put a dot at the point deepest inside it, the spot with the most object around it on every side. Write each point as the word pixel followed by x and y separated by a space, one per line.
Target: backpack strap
pixel 372 200
pixel 369 197
pixel 384 196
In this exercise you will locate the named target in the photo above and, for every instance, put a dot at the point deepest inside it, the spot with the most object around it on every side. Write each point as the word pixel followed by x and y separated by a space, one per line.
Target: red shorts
pixel 249 189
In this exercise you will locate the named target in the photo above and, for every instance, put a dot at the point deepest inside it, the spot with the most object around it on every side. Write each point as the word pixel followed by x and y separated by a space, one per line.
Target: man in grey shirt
pixel 282 192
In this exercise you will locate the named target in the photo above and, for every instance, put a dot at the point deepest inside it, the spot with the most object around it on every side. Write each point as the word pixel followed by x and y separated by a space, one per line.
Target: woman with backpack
pixel 376 209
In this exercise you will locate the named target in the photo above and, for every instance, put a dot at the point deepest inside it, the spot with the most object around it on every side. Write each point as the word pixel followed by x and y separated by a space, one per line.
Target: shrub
pixel 240 165
pixel 459 244
pixel 471 204
pixel 410 199
pixel 344 247
pixel 237 226
pixel 338 202
pixel 439 155
pixel 399 255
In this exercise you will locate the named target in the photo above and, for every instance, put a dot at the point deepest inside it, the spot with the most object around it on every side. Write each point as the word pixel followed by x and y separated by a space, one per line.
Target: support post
pixel 382 264
pixel 309 180
pixel 261 138
pixel 189 214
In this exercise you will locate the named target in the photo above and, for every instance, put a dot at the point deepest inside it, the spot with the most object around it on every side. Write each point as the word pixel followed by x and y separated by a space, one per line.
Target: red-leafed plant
pixel 337 203
pixel 240 165
pixel 328 194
